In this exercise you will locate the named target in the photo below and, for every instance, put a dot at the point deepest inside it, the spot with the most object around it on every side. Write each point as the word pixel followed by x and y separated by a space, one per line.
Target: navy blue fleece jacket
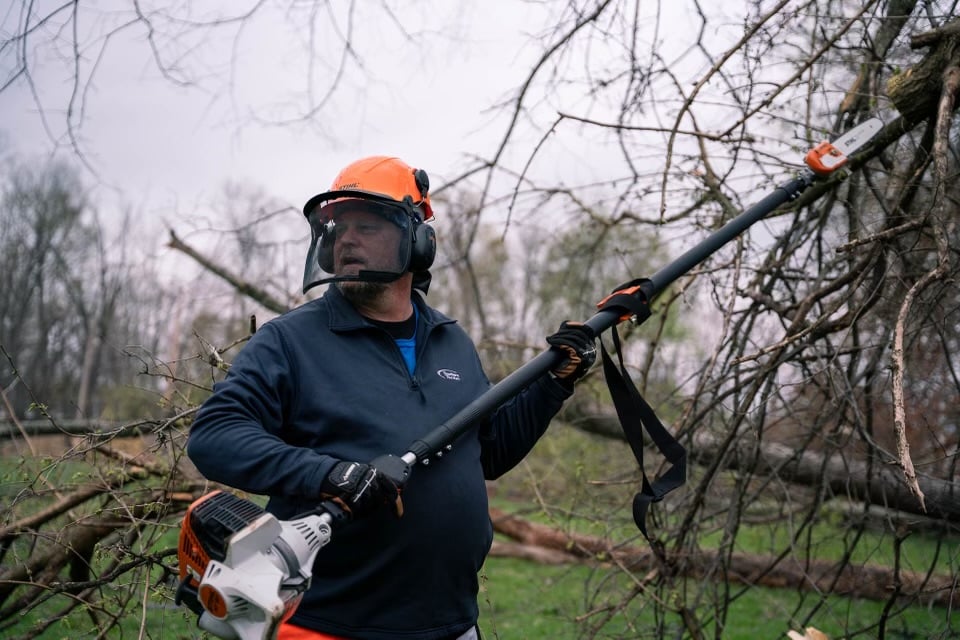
pixel 320 384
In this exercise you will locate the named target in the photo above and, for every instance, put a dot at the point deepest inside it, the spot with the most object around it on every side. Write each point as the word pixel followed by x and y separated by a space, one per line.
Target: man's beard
pixel 361 292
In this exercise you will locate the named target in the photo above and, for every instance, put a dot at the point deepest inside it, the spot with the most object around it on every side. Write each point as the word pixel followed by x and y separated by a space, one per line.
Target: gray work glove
pixel 360 489
pixel 577 342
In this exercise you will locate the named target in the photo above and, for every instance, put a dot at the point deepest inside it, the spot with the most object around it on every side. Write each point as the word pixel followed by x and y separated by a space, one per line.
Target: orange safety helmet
pixel 379 177
pixel 386 186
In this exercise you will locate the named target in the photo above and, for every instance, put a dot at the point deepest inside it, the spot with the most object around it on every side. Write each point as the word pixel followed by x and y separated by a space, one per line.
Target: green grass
pixel 523 601
pixel 569 482
pixel 516 602
pixel 520 600
pixel 830 538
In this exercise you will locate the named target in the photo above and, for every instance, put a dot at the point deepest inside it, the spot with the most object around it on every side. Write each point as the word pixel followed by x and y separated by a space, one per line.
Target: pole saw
pixel 244 572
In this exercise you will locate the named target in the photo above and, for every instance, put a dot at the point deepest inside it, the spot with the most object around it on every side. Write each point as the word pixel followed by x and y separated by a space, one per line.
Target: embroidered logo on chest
pixel 449 374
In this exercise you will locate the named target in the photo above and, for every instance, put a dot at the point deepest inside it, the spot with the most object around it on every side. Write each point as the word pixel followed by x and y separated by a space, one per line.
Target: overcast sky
pixel 168 148
pixel 424 83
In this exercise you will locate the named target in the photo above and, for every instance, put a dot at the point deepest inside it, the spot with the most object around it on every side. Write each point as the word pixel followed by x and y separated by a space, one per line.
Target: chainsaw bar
pixel 827 157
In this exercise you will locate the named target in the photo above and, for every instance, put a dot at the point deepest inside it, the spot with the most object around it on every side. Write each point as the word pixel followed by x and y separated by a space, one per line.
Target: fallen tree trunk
pixel 880 485
pixel 82 427
pixel 541 543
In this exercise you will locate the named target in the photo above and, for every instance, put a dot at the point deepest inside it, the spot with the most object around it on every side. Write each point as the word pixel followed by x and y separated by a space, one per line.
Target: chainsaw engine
pixel 243 571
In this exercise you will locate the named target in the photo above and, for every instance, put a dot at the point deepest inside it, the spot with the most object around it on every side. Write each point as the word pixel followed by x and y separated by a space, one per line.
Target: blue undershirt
pixel 408 346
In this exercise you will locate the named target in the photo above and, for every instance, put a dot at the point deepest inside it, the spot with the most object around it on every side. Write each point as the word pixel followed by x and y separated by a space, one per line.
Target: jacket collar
pixel 344 317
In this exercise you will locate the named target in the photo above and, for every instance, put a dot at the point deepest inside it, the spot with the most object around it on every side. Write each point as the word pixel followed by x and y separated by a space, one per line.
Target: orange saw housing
pixel 204 535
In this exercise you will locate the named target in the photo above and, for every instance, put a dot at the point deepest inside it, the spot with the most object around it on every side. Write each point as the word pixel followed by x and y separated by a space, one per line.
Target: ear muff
pixel 325 250
pixel 423 247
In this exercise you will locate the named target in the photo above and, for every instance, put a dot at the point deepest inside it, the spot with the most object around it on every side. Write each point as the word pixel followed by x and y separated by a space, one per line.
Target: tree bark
pixel 916 92
pixel 820 576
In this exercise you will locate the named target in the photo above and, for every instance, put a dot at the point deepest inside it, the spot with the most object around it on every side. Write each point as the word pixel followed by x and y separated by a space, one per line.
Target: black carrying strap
pixel 631 406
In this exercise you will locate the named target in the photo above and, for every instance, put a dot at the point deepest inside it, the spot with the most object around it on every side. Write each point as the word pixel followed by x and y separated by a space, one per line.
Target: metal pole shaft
pixel 787 191
pixel 460 423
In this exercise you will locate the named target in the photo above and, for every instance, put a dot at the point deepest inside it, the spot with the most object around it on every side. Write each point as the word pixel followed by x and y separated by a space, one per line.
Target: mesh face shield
pixel 357 239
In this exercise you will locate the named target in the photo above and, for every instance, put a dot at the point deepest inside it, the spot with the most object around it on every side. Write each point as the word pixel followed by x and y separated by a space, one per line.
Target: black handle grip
pixel 391 466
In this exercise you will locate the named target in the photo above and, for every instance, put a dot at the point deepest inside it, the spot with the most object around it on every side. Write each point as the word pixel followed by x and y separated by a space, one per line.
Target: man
pixel 365 370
